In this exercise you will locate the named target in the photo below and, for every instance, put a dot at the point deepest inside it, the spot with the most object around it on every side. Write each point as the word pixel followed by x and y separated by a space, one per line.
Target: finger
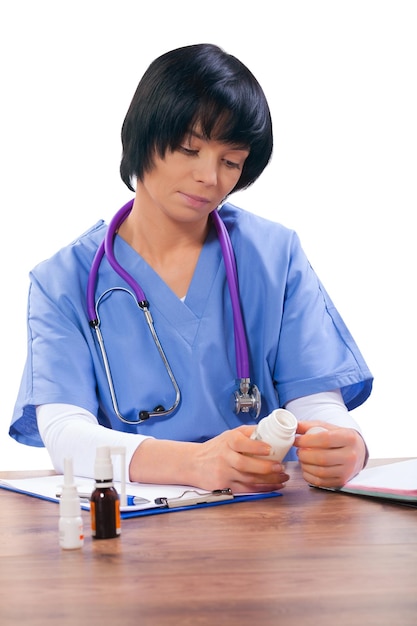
pixel 247 486
pixel 257 465
pixel 303 427
pixel 245 430
pixel 321 439
pixel 239 442
pixel 320 456
pixel 324 438
pixel 320 476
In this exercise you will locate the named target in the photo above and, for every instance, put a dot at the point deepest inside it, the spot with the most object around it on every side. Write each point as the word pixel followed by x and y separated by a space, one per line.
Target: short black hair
pixel 196 86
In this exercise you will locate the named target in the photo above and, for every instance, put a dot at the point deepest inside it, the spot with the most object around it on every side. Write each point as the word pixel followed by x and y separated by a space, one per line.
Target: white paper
pixel 49 486
pixel 391 480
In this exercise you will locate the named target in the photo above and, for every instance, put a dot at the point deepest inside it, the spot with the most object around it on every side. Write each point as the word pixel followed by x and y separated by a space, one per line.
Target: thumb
pixel 303 427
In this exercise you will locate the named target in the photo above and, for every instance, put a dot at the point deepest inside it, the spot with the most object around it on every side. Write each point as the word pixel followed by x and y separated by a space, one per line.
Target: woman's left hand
pixel 331 457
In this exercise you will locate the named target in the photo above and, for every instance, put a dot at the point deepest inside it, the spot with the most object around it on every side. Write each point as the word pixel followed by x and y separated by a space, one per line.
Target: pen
pixel 136 500
pixel 131 500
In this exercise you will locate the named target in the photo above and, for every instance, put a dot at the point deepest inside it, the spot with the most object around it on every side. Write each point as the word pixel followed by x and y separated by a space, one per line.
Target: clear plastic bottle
pixel 104 501
pixel 71 529
pixel 278 429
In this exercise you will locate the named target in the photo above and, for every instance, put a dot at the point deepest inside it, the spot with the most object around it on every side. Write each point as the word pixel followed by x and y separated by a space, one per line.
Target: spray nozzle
pixel 68 473
pixel 69 501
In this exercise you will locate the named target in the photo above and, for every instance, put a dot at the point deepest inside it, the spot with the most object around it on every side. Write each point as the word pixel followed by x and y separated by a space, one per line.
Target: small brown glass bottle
pixel 104 501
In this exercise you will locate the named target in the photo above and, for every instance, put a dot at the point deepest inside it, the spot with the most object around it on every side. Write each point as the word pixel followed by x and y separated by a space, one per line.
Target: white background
pixel 341 81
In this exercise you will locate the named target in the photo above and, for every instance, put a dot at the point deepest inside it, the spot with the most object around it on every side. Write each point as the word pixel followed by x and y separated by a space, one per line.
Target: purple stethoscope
pixel 246 398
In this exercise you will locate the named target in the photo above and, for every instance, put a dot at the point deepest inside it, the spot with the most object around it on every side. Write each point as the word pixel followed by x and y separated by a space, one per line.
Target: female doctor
pixel 175 329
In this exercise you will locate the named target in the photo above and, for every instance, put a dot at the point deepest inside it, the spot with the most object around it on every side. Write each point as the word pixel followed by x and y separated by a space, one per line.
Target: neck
pixel 155 233
pixel 170 247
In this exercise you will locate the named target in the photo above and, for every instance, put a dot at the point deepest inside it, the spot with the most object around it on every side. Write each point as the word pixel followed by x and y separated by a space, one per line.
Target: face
pixel 191 181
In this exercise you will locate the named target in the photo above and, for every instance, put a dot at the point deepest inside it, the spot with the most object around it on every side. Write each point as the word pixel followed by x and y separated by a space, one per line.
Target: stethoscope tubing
pixel 106 248
pixel 241 349
pixel 107 367
pixel 247 399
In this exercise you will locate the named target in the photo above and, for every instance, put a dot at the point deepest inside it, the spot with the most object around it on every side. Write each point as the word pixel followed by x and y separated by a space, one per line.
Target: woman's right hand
pixel 229 460
pixel 232 460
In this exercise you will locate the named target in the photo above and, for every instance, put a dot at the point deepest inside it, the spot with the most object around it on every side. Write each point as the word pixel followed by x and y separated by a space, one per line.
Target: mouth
pixel 197 202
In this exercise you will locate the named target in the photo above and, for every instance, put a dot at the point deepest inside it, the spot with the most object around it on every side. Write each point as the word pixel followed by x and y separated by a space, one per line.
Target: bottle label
pixel 93 517
pixel 105 516
pixel 71 533
pixel 118 517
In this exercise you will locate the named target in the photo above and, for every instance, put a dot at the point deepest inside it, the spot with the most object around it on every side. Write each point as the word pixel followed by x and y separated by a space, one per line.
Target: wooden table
pixel 310 557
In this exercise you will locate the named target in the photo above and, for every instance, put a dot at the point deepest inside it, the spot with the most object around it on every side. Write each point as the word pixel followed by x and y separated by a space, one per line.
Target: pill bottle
pixel 71 530
pixel 278 429
pixel 104 501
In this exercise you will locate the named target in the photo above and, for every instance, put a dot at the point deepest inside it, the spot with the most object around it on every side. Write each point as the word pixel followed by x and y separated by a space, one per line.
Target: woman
pixel 198 128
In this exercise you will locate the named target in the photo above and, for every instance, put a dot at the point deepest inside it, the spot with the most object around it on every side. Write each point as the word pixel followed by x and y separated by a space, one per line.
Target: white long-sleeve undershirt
pixel 70 431
pixel 327 406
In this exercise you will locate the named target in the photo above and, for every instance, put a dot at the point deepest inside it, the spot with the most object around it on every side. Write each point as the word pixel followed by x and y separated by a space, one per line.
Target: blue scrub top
pixel 298 343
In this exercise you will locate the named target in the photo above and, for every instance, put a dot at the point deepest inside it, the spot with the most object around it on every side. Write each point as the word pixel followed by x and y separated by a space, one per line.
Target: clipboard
pixel 158 498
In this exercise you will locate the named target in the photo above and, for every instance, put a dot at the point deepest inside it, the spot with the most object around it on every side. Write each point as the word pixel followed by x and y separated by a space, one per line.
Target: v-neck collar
pixel 183 315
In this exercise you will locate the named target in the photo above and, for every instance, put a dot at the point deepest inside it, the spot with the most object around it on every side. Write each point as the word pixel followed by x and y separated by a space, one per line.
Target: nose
pixel 206 170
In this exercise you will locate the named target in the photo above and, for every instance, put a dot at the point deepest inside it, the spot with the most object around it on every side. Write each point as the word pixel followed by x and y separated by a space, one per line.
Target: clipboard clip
pixel 198 498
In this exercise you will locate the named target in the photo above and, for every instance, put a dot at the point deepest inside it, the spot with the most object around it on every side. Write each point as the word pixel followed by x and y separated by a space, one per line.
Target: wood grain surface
pixel 310 557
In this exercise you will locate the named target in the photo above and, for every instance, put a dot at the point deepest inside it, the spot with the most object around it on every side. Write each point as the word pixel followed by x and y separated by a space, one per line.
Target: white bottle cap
pixel 286 420
pixel 103 466
pixel 278 429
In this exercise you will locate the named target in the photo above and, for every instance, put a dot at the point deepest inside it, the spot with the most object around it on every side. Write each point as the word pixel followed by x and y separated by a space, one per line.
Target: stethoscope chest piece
pixel 247 399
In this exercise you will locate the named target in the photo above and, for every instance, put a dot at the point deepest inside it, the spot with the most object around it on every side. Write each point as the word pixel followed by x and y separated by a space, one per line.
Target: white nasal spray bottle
pixel 71 530
pixel 278 429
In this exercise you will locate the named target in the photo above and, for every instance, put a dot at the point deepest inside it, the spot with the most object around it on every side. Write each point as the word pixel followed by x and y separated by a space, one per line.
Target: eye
pixel 233 165
pixel 188 151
